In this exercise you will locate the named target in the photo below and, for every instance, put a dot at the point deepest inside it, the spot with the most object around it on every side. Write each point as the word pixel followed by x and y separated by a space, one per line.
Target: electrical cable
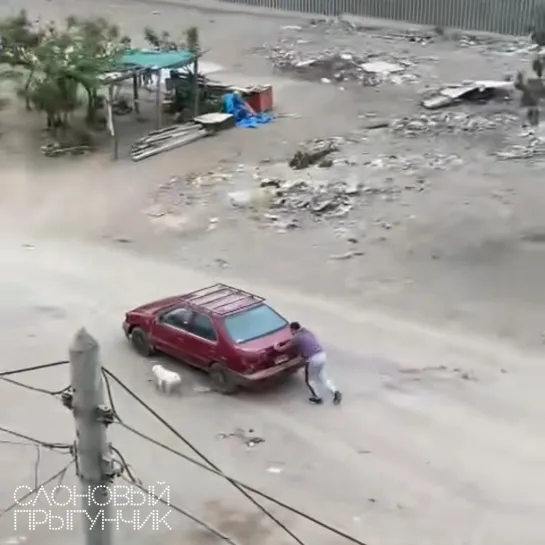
pixel 203 457
pixel 109 392
pixel 255 491
pixel 45 444
pixel 60 474
pixel 125 465
pixel 34 388
pixel 218 472
pixel 195 519
pixel 38 454
pixel 33 368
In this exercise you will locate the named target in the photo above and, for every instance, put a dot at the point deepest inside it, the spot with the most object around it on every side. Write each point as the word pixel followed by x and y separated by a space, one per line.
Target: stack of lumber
pixel 166 139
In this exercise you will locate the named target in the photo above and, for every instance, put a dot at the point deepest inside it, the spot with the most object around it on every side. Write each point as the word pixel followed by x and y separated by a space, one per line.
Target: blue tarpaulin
pixel 235 105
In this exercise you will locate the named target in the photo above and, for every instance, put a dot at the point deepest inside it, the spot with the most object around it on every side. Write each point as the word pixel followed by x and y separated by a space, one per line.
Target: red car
pixel 228 332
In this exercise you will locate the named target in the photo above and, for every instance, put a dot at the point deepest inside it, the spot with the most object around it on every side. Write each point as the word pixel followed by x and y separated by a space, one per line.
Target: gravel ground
pixel 446 230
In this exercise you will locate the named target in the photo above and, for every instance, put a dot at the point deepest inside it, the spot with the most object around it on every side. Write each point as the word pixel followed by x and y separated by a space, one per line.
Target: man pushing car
pixel 307 346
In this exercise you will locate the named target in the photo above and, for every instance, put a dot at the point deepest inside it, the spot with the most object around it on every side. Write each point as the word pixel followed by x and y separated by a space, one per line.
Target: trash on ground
pixel 202 389
pixel 382 68
pixel 346 255
pixel 534 148
pixel 452 122
pixel 476 91
pixel 247 438
pixel 313 153
pixel 56 149
pixel 339 65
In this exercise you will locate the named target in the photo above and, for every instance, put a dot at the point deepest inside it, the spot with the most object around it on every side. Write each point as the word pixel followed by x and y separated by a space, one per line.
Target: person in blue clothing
pixel 237 106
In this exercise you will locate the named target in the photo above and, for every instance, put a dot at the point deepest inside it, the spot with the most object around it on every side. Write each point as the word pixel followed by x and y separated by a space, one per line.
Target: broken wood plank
pixel 182 130
pixel 174 143
pixel 171 128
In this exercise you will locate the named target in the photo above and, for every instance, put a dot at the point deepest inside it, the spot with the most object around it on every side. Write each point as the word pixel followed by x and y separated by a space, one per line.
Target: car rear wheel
pixel 222 380
pixel 141 342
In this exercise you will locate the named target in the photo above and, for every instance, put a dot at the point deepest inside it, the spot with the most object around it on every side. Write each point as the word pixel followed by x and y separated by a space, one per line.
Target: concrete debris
pixel 325 163
pixel 382 68
pixel 423 36
pixel 241 199
pixel 322 199
pixel 534 148
pixel 251 198
pixel 286 197
pixel 452 123
pixel 412 164
pixel 377 124
pixel 340 66
pixel 312 154
pixel 476 91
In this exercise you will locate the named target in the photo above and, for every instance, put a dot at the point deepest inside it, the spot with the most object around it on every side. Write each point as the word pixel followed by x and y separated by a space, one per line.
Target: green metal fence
pixel 502 16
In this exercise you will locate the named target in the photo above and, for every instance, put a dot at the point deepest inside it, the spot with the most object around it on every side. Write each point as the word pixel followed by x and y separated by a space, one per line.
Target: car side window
pixel 202 326
pixel 178 318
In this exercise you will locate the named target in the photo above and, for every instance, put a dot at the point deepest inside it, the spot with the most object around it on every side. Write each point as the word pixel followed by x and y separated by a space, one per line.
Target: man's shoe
pixel 337 398
pixel 315 400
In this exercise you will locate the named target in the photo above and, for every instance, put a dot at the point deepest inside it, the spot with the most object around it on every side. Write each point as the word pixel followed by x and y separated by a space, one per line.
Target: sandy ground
pixel 439 437
pixel 451 455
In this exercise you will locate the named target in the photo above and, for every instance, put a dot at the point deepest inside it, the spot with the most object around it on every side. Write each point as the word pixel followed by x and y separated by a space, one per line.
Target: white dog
pixel 166 381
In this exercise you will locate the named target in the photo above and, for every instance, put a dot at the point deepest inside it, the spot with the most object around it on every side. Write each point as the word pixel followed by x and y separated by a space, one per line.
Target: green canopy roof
pixel 156 60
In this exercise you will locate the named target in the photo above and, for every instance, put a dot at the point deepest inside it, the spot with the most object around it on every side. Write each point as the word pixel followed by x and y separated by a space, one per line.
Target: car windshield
pixel 252 324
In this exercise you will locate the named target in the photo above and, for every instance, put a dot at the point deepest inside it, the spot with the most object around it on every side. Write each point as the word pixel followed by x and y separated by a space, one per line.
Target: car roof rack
pixel 222 299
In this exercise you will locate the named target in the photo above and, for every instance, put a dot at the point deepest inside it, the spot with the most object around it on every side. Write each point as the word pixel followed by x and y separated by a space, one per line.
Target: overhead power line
pixel 33 368
pixel 34 388
pixel 60 475
pixel 201 455
pixel 37 445
pixel 247 487
pixel 45 444
pixel 182 511
pixel 211 468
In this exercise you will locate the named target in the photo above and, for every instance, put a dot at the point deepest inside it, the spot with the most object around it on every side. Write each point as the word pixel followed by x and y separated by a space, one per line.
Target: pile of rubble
pixel 325 199
pixel 288 196
pixel 534 148
pixel 315 152
pixel 413 164
pixel 340 66
pixel 504 44
pixel 452 123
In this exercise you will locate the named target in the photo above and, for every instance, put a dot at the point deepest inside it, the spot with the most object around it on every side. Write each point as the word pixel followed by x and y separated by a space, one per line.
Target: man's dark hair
pixel 295 326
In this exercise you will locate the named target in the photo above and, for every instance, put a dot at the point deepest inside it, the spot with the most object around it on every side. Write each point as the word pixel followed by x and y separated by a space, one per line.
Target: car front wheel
pixel 222 380
pixel 141 343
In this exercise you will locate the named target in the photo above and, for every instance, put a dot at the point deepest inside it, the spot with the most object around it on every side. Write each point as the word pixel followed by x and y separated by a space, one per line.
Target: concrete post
pixel 93 461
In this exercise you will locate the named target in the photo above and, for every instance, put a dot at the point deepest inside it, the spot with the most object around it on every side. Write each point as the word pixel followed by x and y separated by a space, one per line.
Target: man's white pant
pixel 315 376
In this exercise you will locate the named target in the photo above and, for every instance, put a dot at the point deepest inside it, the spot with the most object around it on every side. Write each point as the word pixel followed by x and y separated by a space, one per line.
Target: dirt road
pixel 438 441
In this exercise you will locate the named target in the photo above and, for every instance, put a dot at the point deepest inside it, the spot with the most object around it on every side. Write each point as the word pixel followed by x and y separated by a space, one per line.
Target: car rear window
pixel 252 324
